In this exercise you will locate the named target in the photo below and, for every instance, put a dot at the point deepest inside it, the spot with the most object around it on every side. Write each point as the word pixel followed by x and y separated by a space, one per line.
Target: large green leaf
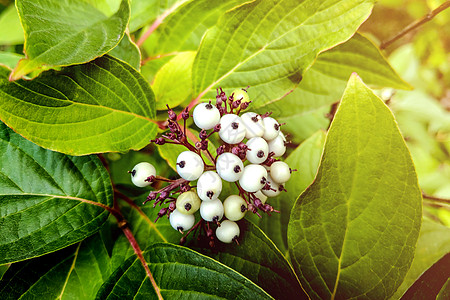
pixel 353 232
pixel 101 106
pixel 433 244
pixel 304 109
pixel 305 159
pixel 48 200
pixel 62 33
pixel 269 44
pixel 180 273
pixel 12 32
pixel 76 272
pixel 257 258
pixel 128 52
pixel 184 28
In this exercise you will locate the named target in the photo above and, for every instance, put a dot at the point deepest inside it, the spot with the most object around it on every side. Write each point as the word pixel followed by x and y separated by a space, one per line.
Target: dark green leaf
pixel 76 272
pixel 431 282
pixel 433 244
pixel 180 273
pixel 48 200
pixel 62 33
pixel 127 51
pixel 101 106
pixel 257 258
pixel 305 159
pixel 353 232
pixel 269 44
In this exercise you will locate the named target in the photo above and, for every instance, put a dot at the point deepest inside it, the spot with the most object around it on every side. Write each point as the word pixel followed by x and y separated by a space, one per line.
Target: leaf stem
pixel 428 17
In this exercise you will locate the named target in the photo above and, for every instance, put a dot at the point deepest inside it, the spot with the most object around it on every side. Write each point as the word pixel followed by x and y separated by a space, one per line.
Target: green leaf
pixel 180 273
pixel 433 244
pixel 144 11
pixel 323 84
pixel 305 159
pixel 12 32
pixel 127 51
pixel 9 59
pixel 184 28
pixel 445 291
pixel 353 231
pixel 431 282
pixel 62 33
pixel 101 106
pixel 76 272
pixel 269 44
pixel 172 84
pixel 258 259
pixel 48 200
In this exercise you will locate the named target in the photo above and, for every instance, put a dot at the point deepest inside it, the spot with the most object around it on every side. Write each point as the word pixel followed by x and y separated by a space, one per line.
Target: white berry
pixel 253 178
pixel 275 188
pixel 228 231
pixel 229 167
pixel 206 116
pixel 141 172
pixel 280 172
pixel 180 221
pixel 189 165
pixel 258 150
pixel 271 128
pixel 235 207
pixel 209 186
pixel 277 145
pixel 188 203
pixel 254 125
pixel 211 211
pixel 232 129
pixel 261 196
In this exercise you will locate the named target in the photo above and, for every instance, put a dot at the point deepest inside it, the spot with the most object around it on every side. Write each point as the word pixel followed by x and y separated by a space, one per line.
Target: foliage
pixel 83 86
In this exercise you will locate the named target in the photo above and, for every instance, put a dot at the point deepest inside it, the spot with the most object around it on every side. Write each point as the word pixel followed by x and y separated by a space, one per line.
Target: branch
pixel 428 17
pixel 435 199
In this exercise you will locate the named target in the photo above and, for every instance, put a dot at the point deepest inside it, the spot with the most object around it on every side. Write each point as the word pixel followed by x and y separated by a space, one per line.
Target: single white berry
pixel 271 128
pixel 280 172
pixel 189 165
pixel 141 172
pixel 235 207
pixel 258 150
pixel 277 145
pixel 232 129
pixel 274 188
pixel 253 178
pixel 188 203
pixel 254 125
pixel 229 167
pixel 206 116
pixel 261 196
pixel 180 221
pixel 211 211
pixel 228 231
pixel 209 186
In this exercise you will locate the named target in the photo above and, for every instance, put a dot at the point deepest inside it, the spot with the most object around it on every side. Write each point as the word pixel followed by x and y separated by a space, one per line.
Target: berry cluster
pixel 252 165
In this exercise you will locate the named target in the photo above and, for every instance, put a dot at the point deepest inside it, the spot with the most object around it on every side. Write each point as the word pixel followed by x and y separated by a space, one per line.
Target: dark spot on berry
pixel 235 125
pixel 182 164
pixel 209 106
pixel 210 194
pixel 235 238
pixel 237 169
pixel 187 206
pixel 180 228
pixel 260 154
pixel 133 173
pixel 276 126
pixel 263 180
pixel 215 219
pixel 243 208
pixel 255 119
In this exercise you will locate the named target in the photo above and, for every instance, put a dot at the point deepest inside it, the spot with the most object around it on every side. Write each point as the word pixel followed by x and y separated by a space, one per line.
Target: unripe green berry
pixel 188 203
pixel 235 207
